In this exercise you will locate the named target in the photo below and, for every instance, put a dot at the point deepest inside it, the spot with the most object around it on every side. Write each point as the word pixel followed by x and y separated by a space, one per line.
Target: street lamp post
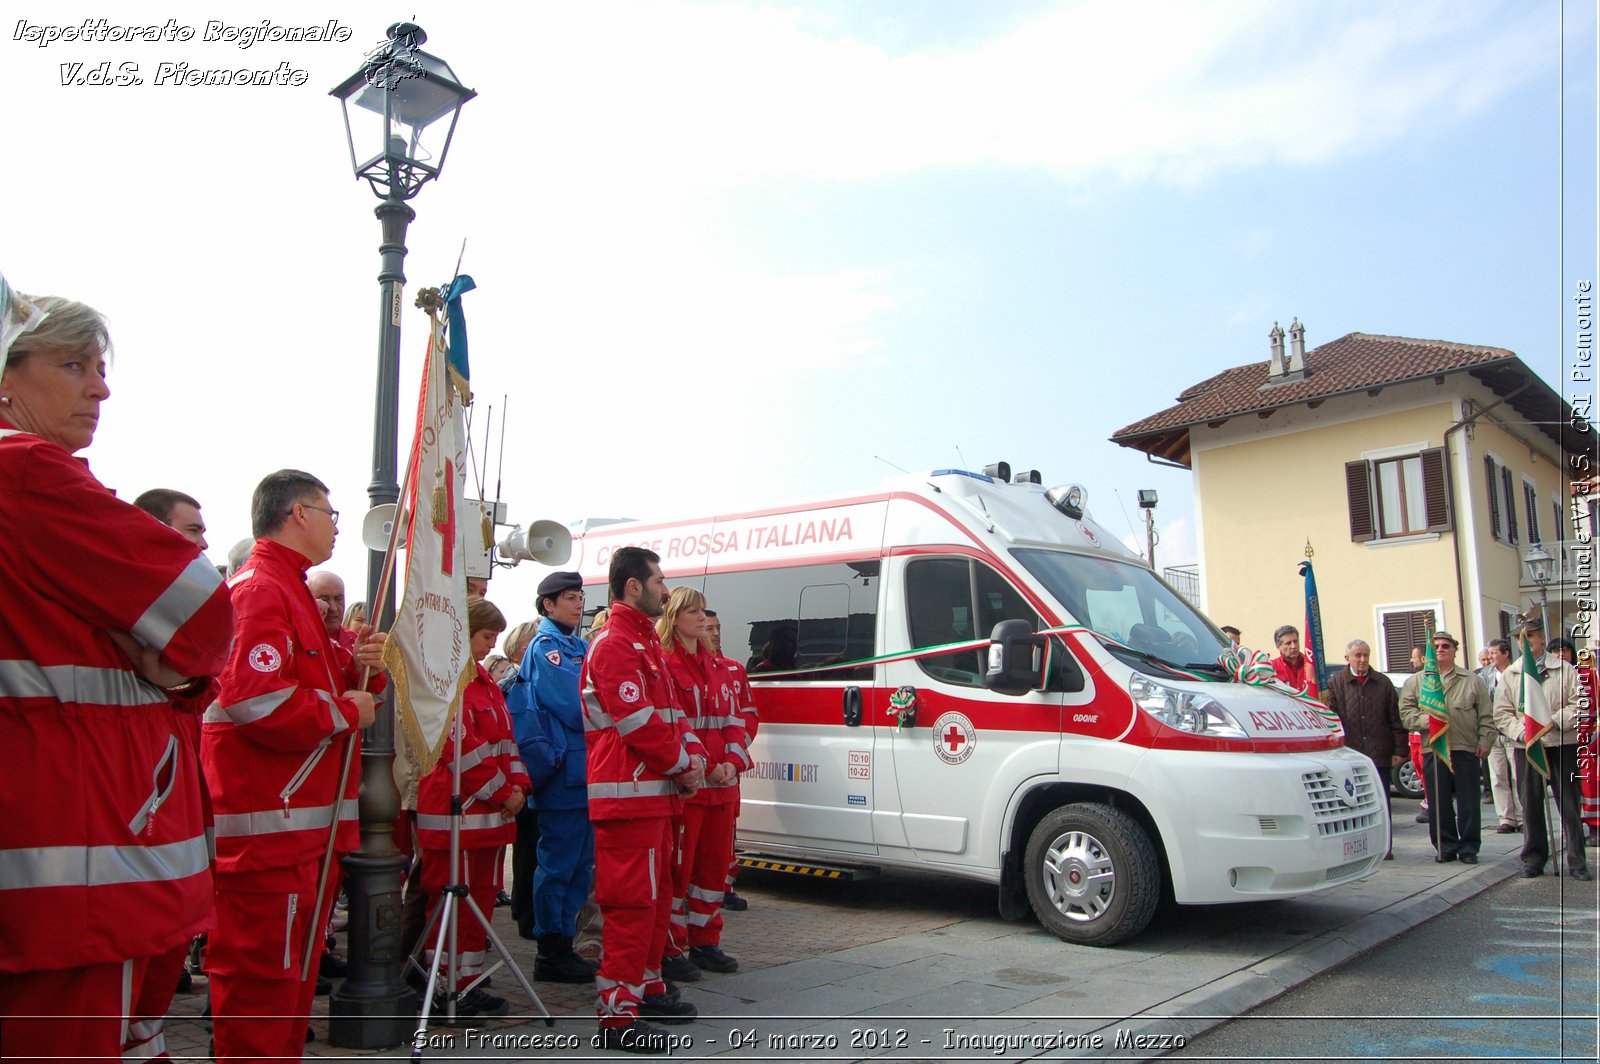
pixel 394 111
pixel 1147 503
pixel 1538 560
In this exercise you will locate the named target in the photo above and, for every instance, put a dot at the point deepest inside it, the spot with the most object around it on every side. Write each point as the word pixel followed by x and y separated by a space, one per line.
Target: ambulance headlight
pixel 1189 711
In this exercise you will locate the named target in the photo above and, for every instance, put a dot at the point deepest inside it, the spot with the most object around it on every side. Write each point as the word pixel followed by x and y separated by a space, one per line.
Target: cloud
pixel 1179 94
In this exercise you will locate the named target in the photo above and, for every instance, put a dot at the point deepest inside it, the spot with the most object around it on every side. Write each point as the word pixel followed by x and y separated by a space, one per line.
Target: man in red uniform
pixel 638 765
pixel 274 745
pixel 146 1023
pixel 1291 666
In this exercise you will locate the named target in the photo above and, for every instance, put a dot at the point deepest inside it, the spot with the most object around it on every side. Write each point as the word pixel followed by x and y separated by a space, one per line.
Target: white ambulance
pixel 911 716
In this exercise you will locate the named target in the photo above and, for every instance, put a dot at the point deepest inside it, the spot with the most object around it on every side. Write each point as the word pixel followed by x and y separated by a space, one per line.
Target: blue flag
pixel 1314 627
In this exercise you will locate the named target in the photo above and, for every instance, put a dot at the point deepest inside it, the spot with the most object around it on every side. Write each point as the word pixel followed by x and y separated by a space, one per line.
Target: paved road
pixel 912 966
pixel 1508 974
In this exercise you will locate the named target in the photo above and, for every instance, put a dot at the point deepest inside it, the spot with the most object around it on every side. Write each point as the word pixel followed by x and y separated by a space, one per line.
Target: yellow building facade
pixel 1420 473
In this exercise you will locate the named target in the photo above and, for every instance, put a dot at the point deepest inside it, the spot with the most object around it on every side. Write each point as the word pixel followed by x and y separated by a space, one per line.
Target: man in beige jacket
pixel 1456 790
pixel 1559 682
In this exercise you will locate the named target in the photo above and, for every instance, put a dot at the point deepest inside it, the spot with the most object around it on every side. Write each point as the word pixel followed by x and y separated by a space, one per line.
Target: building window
pixel 1402 630
pixel 1401 496
pixel 1558 527
pixel 1508 623
pixel 1502 503
pixel 1530 504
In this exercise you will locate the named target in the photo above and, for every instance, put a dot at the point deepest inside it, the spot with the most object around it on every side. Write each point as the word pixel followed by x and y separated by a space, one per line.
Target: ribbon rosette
pixel 1254 667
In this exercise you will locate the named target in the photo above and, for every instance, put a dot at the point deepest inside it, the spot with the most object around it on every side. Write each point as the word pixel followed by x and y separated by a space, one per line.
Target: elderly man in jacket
pixel 1559 682
pixel 1455 790
pixel 1369 708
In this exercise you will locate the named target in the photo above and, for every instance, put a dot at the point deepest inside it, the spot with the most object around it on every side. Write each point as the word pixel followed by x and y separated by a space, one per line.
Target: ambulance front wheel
pixel 1092 874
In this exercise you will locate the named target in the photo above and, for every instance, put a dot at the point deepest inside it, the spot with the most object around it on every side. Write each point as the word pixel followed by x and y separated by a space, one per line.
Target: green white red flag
pixel 1535 710
pixel 1431 699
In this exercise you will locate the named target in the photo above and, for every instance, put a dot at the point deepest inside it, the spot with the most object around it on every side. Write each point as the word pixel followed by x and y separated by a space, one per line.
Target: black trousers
pixel 1456 799
pixel 1564 786
pixel 524 862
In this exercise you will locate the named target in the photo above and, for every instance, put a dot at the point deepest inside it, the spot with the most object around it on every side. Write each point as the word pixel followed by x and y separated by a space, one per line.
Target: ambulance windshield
pixel 1127 603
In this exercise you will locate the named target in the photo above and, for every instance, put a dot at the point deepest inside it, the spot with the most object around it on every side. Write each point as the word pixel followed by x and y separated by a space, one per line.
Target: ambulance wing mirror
pixel 1016 659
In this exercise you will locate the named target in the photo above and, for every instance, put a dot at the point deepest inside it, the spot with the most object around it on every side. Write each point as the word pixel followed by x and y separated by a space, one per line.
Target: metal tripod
pixel 443 922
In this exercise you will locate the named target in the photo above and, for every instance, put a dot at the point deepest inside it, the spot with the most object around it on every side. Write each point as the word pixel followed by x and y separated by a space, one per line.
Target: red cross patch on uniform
pixel 554 658
pixel 264 657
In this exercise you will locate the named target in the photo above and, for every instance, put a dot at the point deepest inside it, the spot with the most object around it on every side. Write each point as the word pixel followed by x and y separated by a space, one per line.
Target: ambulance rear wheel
pixel 1092 874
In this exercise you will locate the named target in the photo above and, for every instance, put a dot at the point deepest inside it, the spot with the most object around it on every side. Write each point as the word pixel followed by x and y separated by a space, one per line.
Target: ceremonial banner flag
pixel 1431 699
pixel 428 652
pixel 1313 647
pixel 1535 710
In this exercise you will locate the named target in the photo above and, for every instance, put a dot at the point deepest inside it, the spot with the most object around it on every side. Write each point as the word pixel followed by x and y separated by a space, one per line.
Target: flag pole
pixel 376 611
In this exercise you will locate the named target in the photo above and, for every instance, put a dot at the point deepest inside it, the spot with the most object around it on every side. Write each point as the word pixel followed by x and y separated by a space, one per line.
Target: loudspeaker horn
pixel 545 542
pixel 378 526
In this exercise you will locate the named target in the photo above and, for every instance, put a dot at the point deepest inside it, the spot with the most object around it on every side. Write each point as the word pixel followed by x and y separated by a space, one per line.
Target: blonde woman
pixel 705 845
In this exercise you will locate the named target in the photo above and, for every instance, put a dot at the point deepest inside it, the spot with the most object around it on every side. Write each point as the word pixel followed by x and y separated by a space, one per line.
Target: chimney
pixel 1297 348
pixel 1275 368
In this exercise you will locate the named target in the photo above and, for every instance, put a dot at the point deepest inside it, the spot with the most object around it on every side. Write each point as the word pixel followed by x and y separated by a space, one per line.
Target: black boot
pixel 556 963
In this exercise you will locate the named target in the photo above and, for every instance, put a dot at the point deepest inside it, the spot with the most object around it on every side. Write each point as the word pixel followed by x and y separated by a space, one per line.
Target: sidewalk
pixel 908 966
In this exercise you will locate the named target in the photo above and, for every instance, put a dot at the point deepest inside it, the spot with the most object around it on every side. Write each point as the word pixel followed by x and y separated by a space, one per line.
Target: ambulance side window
pixel 953 600
pixel 799 617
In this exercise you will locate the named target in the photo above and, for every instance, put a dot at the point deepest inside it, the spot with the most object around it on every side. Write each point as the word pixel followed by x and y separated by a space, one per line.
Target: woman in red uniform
pixel 494 786
pixel 705 843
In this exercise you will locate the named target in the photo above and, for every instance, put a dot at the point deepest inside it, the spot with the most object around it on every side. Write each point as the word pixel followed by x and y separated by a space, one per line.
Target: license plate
pixel 1356 847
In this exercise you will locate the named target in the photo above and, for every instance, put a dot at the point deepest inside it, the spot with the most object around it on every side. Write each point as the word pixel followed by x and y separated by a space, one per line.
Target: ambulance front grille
pixel 1328 809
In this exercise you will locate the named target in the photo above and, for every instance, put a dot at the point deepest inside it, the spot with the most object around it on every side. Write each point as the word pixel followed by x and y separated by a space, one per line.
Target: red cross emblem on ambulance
pixel 954 738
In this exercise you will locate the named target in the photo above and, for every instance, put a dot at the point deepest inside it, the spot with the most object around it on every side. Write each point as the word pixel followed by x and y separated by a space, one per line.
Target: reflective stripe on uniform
pixel 473 758
pixel 738 748
pixel 710 723
pixel 81 684
pixel 180 601
pixel 635 720
pixel 484 793
pixel 646 789
pixel 595 718
pixel 101 866
pixel 250 710
pixel 469 821
pixel 274 821
pixel 339 723
pixel 146 1041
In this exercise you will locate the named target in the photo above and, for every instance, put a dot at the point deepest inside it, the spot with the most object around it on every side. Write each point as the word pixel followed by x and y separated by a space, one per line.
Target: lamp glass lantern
pixel 1538 560
pixel 395 111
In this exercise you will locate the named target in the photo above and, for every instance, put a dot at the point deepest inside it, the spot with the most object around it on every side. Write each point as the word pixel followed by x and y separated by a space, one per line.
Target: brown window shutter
pixel 1511 506
pixel 1530 498
pixel 1436 489
pixel 1495 528
pixel 1401 632
pixel 1358 488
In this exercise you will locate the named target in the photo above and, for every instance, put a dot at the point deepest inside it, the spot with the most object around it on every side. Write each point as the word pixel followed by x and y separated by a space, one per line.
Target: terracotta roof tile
pixel 1351 363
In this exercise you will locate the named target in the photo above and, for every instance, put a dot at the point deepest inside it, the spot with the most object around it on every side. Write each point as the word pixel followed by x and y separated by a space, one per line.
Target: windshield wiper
pixel 1142 655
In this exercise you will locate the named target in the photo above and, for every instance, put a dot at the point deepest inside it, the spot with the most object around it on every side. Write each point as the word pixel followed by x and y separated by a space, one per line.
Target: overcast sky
pixel 733 253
